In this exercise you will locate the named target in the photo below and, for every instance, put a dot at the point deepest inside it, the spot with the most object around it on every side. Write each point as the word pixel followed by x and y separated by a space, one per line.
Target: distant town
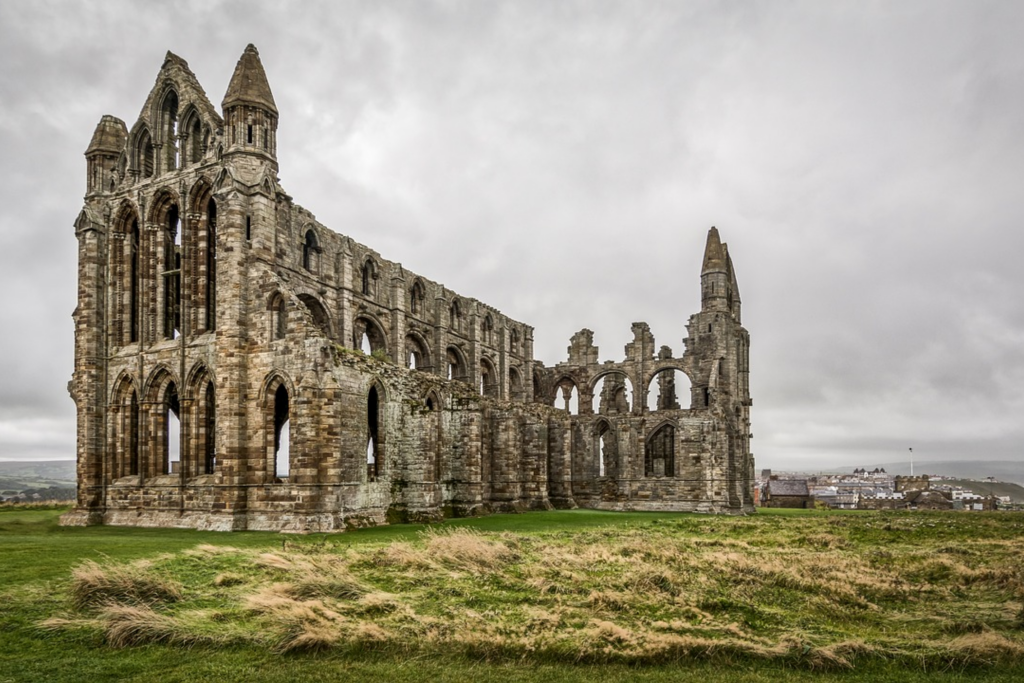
pixel 876 489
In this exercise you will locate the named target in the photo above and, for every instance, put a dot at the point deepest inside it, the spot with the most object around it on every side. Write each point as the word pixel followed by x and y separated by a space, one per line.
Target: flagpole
pixel 911 461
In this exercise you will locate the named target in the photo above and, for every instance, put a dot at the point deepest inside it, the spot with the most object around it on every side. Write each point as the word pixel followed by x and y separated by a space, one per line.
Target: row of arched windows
pixel 155 437
pixel 161 272
pixel 180 144
pixel 669 389
pixel 659 451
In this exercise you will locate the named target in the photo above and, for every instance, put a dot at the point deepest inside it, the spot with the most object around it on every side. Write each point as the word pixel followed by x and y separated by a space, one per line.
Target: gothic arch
pixel 124 445
pixel 321 318
pixel 368 274
pixel 201 451
pixel 142 150
pixel 277 308
pixel 376 439
pixel 157 382
pixel 456 367
pixel 163 396
pixel 277 396
pixel 367 324
pixel 195 142
pixel 311 249
pixel 128 273
pixel 659 450
pixel 417 298
pixel 489 381
pixel 417 351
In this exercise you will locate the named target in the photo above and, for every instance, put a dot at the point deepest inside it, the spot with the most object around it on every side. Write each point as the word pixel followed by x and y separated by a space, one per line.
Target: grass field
pixel 559 596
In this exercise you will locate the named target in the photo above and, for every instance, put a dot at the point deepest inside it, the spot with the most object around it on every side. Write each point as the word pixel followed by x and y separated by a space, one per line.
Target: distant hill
pixel 1002 470
pixel 54 470
pixel 37 480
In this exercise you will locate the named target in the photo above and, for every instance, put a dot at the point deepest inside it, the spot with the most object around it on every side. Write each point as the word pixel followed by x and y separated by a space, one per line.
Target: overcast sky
pixel 563 163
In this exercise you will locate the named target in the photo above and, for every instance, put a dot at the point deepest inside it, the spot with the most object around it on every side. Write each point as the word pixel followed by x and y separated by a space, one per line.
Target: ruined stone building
pixel 238 365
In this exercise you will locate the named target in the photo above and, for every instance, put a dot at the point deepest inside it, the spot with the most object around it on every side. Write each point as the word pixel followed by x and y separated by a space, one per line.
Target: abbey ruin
pixel 238 365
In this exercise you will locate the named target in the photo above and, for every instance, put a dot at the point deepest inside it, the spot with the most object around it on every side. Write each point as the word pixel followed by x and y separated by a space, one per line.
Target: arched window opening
pixel 487 329
pixel 278 318
pixel 146 155
pixel 133 284
pixel 707 397
pixel 369 278
pixel 172 275
pixel 613 394
pixel 373 449
pixel 318 312
pixel 668 390
pixel 455 317
pixel 130 434
pixel 282 433
pixel 196 143
pixel 416 355
pixel 513 341
pixel 171 431
pixel 310 248
pixel 416 297
pixel 456 367
pixel 210 431
pixel 211 266
pixel 605 449
pixel 431 404
pixel 660 455
pixel 488 379
pixel 515 384
pixel 369 337
pixel 568 396
pixel 170 121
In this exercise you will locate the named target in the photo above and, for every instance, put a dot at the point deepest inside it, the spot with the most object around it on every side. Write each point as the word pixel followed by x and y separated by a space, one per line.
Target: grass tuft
pixel 93 586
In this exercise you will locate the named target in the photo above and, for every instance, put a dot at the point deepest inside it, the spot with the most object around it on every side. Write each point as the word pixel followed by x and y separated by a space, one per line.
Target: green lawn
pixel 559 596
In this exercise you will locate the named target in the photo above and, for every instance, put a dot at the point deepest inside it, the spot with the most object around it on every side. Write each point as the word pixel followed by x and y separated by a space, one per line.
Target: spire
pixel 109 136
pixel 249 83
pixel 714 254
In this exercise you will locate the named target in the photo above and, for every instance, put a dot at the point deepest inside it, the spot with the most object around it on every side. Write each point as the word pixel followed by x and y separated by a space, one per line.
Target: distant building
pixel 787 493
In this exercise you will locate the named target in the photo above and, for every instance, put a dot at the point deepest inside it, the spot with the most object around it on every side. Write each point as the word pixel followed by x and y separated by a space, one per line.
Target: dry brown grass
pixel 813 599
pixel 93 586
pixel 467 549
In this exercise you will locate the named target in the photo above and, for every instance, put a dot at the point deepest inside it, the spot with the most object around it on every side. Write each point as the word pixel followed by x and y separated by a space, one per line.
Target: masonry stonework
pixel 238 365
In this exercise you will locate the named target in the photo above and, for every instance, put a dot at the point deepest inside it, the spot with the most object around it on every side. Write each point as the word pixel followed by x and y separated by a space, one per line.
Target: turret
pixel 719 291
pixel 250 114
pixel 107 143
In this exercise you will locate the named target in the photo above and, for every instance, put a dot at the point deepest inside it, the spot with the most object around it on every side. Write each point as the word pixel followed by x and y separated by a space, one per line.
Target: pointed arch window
pixel 133 282
pixel 210 430
pixel 455 317
pixel 146 156
pixel 169 113
pixel 211 266
pixel 282 433
pixel 374 451
pixel 487 329
pixel 170 429
pixel 310 249
pixel 369 278
pixel 660 454
pixel 278 319
pixel 416 297
pixel 172 274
